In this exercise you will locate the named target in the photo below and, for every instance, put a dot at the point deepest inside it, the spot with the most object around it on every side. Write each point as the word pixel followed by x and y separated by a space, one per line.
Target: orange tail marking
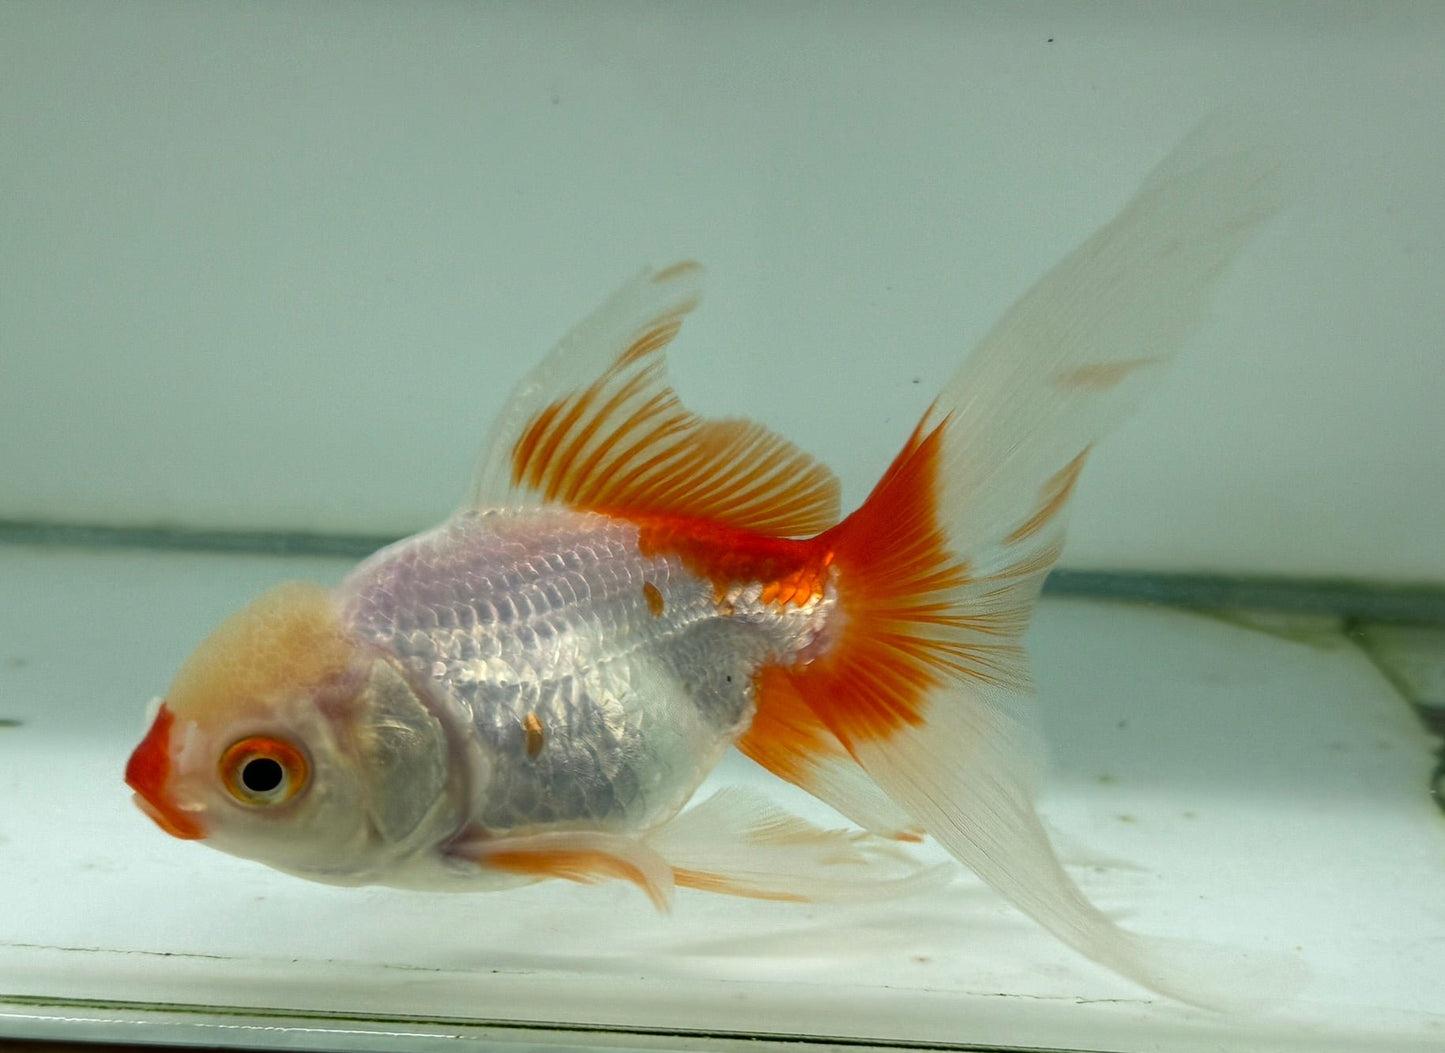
pixel 902 632
pixel 786 736
pixel 1054 496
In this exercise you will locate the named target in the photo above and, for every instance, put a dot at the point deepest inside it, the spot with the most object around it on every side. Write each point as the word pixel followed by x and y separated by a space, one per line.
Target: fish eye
pixel 264 771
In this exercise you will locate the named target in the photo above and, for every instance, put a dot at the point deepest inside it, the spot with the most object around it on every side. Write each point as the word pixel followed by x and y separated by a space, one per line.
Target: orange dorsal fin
pixel 597 426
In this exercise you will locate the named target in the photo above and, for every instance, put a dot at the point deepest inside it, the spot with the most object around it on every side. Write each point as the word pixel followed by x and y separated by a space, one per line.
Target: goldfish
pixel 536 688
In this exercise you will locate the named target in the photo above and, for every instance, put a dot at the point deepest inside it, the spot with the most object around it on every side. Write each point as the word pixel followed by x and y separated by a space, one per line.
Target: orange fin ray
pixel 597 426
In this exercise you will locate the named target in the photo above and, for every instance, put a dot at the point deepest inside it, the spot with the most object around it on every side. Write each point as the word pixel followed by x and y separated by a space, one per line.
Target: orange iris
pixel 264 771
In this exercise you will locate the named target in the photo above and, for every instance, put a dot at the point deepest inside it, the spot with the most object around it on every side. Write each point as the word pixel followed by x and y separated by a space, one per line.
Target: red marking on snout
pixel 149 772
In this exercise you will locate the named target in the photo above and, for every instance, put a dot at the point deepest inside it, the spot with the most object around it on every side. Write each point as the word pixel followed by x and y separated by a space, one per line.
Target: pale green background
pixel 275 265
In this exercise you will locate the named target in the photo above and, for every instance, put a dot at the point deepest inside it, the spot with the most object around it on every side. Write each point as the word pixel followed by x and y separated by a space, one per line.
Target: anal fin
pixel 740 844
pixel 736 843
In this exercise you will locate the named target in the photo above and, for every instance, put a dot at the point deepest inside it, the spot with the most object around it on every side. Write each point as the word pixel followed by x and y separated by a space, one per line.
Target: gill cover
pixel 401 746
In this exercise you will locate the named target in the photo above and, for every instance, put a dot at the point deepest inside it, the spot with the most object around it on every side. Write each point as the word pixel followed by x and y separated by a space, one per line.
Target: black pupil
pixel 261 775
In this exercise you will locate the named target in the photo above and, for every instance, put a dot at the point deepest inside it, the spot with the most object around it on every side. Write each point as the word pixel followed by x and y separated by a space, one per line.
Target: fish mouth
pixel 148 773
pixel 171 820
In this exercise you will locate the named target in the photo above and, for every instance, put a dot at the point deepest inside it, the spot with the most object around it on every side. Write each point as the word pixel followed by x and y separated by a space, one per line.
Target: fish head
pixel 285 740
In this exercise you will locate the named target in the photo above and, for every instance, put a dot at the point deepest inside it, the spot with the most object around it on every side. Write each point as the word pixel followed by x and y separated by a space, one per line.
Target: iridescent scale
pixel 594 686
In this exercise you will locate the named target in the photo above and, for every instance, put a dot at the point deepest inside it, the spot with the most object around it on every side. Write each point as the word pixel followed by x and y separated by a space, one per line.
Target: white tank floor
pixel 1267 786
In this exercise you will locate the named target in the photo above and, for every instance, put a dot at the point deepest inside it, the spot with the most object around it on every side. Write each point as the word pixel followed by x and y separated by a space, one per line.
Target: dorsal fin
pixel 596 426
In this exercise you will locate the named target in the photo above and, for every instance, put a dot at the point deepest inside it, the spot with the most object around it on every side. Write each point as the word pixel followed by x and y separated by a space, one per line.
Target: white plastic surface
pixel 1267 791
pixel 275 265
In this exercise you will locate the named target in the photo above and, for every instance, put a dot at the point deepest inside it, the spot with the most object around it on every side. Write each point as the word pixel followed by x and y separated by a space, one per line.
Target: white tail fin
pixel 926 685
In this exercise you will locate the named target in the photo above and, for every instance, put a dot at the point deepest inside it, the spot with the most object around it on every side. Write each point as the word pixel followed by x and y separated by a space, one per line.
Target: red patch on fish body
pixel 789 571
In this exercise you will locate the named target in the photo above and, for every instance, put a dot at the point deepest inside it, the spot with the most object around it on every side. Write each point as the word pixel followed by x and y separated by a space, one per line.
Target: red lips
pixel 148 772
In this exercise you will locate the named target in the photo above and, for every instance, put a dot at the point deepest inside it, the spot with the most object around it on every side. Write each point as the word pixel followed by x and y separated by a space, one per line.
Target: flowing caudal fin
pixel 926 683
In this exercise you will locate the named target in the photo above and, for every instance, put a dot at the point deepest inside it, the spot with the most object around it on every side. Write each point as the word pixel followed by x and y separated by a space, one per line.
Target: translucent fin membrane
pixel 597 427
pixel 738 843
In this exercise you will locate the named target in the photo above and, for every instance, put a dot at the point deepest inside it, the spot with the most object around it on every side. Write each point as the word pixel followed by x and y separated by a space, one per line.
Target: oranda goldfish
pixel 535 688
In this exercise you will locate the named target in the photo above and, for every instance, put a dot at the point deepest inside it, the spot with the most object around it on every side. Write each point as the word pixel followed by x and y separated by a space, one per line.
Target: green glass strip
pixel 1350 599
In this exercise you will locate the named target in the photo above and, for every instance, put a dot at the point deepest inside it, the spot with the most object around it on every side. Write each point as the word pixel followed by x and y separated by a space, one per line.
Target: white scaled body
pixel 584 683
